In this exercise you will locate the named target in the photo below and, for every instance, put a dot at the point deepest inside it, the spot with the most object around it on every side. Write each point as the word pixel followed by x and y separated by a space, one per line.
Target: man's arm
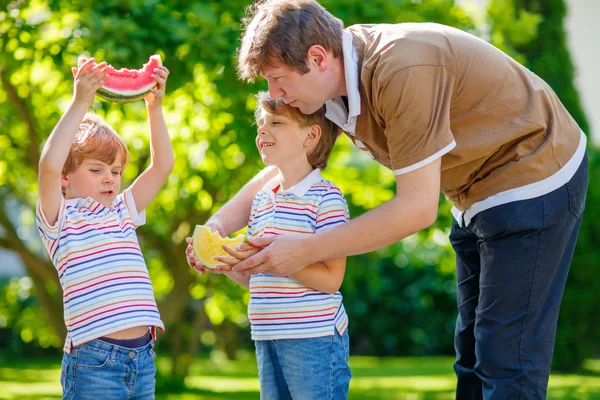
pixel 412 209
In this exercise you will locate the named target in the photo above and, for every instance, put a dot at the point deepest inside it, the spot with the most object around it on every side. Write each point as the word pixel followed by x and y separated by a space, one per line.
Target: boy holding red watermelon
pixel 88 229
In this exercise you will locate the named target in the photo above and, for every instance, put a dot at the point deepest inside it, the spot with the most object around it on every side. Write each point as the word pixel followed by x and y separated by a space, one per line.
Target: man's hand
pixel 280 256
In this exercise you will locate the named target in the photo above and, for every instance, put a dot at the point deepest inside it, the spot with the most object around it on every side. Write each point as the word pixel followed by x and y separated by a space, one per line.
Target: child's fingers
pixel 229 261
pixel 161 81
pixel 246 247
pixel 189 240
pixel 240 255
pixel 222 268
pixel 74 71
pixel 85 68
pixel 200 270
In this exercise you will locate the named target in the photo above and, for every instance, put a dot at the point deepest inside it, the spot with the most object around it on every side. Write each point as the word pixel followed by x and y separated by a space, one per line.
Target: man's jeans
pixel 304 369
pixel 99 370
pixel 512 263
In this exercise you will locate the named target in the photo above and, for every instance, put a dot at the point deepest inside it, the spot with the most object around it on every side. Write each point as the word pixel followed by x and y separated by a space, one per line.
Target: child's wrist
pixel 155 106
pixel 79 105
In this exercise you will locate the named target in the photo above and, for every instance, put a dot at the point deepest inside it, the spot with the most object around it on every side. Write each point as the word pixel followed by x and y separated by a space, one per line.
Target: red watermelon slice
pixel 126 85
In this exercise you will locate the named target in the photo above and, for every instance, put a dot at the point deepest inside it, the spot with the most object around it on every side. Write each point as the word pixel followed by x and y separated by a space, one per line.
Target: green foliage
pixel 209 115
pixel 400 299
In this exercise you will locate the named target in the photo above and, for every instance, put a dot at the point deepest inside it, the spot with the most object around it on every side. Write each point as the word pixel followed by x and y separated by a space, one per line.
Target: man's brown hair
pixel 318 156
pixel 285 30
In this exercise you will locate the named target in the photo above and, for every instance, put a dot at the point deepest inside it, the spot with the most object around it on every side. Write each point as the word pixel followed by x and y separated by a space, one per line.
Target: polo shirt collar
pixel 299 189
pixel 335 109
pixel 87 202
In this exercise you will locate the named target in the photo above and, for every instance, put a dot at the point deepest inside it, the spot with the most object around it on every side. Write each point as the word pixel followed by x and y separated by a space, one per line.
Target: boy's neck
pixel 291 175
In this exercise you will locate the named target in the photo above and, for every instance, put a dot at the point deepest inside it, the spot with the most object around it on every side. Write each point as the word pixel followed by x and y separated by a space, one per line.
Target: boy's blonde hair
pixel 285 30
pixel 97 140
pixel 318 156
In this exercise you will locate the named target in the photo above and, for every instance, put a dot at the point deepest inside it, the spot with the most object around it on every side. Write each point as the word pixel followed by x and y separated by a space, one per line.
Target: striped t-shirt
pixel 105 282
pixel 280 307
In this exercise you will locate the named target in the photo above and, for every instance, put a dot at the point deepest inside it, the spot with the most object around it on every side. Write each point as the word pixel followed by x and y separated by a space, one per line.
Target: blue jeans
pixel 310 369
pixel 512 263
pixel 100 370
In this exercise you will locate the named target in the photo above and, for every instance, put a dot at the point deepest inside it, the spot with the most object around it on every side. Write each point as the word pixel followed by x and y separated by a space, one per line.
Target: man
pixel 445 111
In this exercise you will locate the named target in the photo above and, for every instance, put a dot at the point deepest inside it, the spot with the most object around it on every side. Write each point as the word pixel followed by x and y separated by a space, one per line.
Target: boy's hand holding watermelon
pixel 89 77
pixel 156 94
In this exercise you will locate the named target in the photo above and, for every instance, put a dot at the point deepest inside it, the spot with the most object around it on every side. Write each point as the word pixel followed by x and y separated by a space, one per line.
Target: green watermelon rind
pixel 119 98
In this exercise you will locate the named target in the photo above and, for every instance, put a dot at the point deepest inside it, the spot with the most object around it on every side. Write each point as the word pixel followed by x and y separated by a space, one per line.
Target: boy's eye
pixel 95 170
pixel 116 172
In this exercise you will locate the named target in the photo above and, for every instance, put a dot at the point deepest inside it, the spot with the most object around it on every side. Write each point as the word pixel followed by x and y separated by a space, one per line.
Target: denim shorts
pixel 102 370
pixel 315 368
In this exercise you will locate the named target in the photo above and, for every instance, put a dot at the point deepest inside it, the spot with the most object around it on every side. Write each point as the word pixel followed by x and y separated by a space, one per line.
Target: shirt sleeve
pixel 50 233
pixel 415 106
pixel 250 231
pixel 138 219
pixel 333 210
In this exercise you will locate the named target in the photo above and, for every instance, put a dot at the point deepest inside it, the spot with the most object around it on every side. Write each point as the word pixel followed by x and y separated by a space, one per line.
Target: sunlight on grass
pixel 222 385
pixel 20 382
pixel 426 378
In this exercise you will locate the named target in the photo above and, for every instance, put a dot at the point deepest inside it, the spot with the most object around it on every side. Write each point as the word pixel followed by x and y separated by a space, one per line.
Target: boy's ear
pixel 64 180
pixel 313 136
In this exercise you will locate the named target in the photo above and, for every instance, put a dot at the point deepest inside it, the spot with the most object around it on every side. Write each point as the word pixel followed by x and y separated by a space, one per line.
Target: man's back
pixel 427 85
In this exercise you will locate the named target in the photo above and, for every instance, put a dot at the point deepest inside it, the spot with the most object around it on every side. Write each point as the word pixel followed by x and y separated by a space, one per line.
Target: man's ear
pixel 318 57
pixel 313 136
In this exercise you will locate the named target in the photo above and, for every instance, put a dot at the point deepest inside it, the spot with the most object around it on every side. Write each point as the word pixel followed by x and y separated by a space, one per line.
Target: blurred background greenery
pixel 401 299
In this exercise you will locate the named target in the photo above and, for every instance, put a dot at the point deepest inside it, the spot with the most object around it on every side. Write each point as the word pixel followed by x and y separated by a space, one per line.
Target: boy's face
pixel 281 141
pixel 95 179
pixel 307 92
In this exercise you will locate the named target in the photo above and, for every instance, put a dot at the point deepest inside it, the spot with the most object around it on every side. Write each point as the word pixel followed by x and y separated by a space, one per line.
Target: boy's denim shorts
pixel 101 370
pixel 311 369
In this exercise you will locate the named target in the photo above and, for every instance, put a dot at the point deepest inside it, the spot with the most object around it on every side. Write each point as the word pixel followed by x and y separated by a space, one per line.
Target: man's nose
pixel 275 91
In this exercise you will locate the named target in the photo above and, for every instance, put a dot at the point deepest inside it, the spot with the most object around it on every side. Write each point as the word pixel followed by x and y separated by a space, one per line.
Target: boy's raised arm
pixel 148 184
pixel 56 149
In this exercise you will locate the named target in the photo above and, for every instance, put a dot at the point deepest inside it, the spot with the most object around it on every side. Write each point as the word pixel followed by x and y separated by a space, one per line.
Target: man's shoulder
pixel 403 45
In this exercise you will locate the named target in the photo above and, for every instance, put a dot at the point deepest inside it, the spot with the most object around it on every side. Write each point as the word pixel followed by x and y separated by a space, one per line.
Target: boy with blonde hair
pixel 298 322
pixel 88 228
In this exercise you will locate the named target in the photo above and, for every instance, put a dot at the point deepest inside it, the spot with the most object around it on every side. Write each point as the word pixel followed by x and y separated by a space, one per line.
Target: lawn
pixel 373 378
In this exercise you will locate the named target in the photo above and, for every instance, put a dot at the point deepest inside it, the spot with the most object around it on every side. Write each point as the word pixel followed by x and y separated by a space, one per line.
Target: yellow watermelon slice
pixel 125 85
pixel 207 245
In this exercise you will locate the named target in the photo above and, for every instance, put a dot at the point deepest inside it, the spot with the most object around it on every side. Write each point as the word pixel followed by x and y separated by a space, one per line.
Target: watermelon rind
pixel 120 98
pixel 129 96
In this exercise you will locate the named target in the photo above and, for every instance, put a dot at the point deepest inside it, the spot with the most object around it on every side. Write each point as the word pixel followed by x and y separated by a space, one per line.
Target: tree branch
pixel 23 111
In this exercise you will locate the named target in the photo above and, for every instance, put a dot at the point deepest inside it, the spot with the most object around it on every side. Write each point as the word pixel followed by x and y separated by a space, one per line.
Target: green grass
pixel 422 378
